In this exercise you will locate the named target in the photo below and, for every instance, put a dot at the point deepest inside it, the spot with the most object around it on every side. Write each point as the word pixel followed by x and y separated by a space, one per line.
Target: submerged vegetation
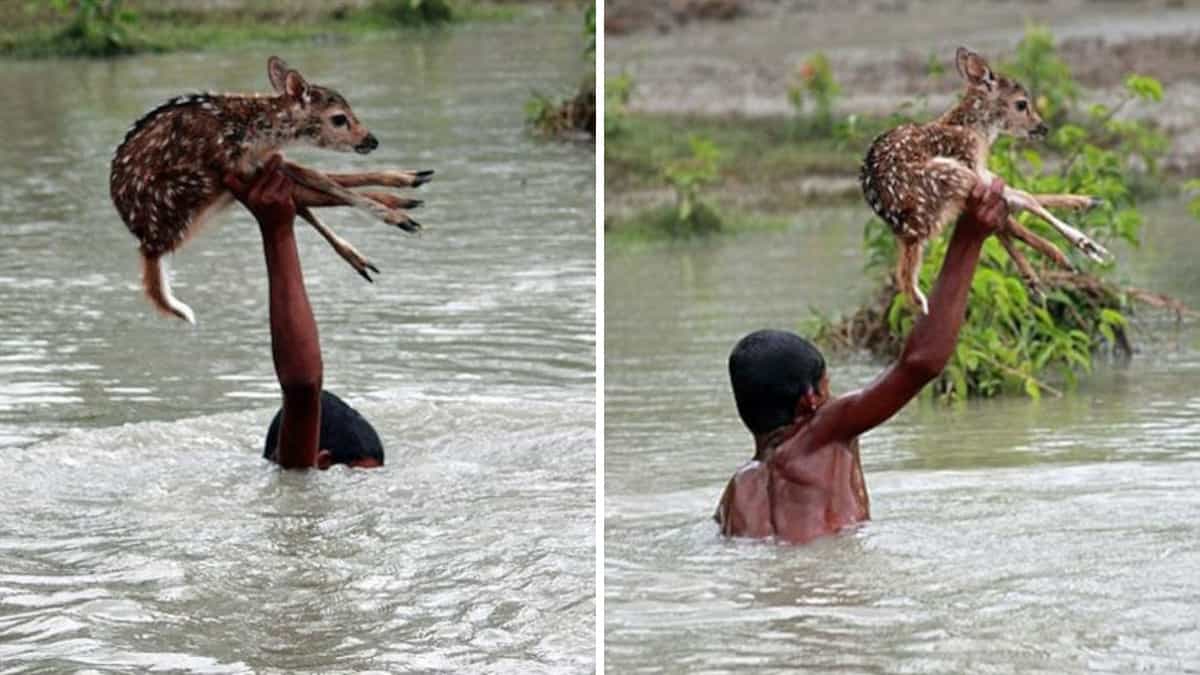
pixel 108 28
pixel 576 114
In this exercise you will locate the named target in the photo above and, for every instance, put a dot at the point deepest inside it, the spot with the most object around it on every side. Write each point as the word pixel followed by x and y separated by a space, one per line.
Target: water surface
pixel 1006 536
pixel 140 528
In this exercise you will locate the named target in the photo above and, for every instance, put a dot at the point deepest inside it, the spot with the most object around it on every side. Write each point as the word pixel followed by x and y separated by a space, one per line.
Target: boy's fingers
pixel 234 184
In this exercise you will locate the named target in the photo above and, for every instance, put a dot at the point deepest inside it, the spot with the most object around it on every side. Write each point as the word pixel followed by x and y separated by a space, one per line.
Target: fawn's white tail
pixel 158 289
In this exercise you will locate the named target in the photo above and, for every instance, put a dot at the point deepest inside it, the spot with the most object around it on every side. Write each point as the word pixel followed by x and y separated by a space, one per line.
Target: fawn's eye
pixel 339 120
pixel 1022 105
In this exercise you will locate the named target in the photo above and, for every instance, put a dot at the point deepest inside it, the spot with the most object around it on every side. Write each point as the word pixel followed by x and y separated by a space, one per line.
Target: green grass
pixel 660 224
pixel 158 28
pixel 752 150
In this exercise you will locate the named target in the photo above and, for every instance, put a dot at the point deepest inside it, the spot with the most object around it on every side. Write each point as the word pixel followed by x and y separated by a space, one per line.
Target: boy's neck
pixel 765 443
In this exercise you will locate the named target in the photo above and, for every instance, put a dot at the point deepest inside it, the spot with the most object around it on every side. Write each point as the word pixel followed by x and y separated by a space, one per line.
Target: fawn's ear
pixel 277 70
pixel 295 86
pixel 973 68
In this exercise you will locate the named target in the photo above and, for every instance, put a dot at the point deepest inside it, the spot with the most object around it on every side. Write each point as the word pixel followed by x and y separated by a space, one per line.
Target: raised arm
pixel 933 336
pixel 294 344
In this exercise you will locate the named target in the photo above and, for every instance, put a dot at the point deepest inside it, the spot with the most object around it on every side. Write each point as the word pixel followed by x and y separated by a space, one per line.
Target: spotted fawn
pixel 917 177
pixel 167 175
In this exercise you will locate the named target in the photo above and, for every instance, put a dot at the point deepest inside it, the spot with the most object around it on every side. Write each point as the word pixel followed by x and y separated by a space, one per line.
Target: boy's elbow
pixel 301 387
pixel 923 367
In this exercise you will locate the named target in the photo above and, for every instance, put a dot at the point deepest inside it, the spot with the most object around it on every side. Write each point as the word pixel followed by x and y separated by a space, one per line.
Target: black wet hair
pixel 347 435
pixel 770 370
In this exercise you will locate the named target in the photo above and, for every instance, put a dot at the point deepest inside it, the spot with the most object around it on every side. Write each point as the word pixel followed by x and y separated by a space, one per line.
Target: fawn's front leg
pixel 1024 200
pixel 1065 201
pixel 400 179
pixel 319 182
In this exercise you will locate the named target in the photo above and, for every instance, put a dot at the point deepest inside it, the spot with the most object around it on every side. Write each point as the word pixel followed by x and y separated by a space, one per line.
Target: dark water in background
pixel 1008 536
pixel 139 529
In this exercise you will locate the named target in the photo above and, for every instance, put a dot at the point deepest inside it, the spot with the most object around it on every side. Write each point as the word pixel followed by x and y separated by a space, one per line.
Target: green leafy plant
pixel 95 28
pixel 687 177
pixel 1193 188
pixel 812 93
pixel 589 31
pixel 1015 340
pixel 617 90
pixel 413 12
pixel 576 114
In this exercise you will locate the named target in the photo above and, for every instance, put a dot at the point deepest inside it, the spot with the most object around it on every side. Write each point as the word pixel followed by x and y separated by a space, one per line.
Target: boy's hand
pixel 985 211
pixel 268 196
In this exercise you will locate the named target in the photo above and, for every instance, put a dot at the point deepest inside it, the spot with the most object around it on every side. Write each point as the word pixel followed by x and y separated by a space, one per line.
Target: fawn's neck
pixel 976 113
pixel 263 124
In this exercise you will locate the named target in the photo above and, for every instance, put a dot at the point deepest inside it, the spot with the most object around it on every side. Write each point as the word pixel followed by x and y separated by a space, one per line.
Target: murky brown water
pixel 1007 536
pixel 139 528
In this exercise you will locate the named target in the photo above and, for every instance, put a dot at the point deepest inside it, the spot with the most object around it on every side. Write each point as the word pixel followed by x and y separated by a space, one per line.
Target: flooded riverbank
pixel 143 531
pixel 1006 535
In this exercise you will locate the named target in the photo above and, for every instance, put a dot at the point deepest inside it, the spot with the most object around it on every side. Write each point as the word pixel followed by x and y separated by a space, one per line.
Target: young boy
pixel 806 479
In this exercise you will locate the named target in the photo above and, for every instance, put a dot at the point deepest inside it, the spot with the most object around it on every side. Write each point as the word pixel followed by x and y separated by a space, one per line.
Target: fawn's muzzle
pixel 368 144
pixel 1040 131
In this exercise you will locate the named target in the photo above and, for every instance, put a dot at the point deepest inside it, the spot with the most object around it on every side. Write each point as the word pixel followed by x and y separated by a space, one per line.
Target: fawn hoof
pixel 408 225
pixel 412 203
pixel 423 177
pixel 1094 202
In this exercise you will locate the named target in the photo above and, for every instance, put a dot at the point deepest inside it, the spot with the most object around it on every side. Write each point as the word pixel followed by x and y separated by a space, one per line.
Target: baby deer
pixel 917 176
pixel 166 178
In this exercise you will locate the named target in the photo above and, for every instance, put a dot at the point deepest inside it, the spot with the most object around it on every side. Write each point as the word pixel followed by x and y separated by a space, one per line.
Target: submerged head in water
pixel 777 376
pixel 346 436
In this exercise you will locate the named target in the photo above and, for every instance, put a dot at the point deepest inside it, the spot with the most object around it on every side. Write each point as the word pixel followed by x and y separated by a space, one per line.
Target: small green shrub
pixel 94 28
pixel 617 90
pixel 413 12
pixel 687 177
pixel 812 93
pixel 562 117
pixel 1192 187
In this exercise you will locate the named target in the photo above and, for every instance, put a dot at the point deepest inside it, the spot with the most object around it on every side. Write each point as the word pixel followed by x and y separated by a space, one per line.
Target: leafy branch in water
pixel 1013 339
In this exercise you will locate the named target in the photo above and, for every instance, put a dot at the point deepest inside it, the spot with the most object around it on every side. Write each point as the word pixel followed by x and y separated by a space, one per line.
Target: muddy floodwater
pixel 1007 536
pixel 140 530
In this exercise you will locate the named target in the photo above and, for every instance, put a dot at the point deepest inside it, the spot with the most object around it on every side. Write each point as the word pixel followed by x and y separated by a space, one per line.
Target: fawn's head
pixel 997 104
pixel 322 116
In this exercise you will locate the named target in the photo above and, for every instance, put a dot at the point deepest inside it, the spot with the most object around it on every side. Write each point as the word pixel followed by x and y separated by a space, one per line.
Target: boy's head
pixel 346 437
pixel 773 372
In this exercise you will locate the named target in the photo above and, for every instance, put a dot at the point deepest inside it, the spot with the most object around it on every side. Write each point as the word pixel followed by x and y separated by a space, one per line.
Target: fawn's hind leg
pixel 1050 251
pixel 343 247
pixel 1031 278
pixel 908 272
